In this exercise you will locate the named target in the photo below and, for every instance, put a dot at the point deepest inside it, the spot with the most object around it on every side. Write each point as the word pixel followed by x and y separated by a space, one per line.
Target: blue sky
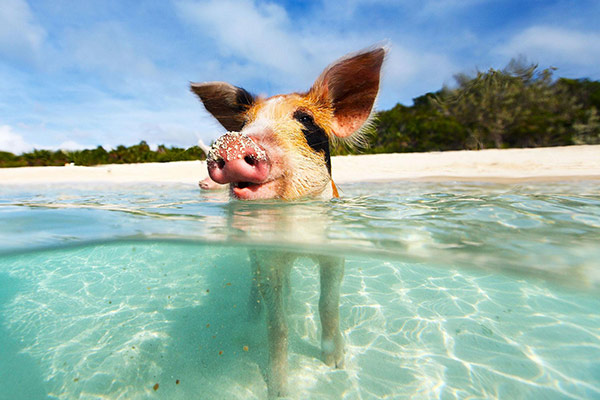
pixel 78 74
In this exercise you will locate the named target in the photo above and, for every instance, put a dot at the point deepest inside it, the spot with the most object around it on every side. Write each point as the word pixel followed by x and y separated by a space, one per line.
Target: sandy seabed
pixel 549 163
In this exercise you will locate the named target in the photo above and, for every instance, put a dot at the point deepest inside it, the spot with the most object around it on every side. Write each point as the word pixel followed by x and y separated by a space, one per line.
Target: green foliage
pixel 515 107
pixel 138 153
pixel 417 128
pixel 587 94
pixel 421 127
pixel 10 160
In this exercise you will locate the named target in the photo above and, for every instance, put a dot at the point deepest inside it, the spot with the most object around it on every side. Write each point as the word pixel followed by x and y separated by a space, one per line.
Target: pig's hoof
pixel 335 359
pixel 208 184
pixel 332 352
pixel 277 389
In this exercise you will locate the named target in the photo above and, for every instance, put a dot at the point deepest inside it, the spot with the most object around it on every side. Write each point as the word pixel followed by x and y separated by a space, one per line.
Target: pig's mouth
pixel 237 159
pixel 244 185
pixel 254 190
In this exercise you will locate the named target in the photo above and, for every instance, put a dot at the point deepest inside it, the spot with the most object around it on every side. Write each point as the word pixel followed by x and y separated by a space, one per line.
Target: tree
pixel 518 106
pixel 587 125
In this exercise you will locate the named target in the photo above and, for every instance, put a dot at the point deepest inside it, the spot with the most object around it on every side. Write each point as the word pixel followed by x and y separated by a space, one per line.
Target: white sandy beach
pixel 554 163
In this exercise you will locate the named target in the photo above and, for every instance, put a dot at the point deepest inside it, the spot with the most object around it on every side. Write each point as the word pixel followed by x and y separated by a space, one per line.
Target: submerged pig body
pixel 278 147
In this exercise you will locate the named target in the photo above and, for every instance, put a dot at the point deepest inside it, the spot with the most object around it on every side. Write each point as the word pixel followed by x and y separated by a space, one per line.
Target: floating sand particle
pixel 155 387
pixel 208 325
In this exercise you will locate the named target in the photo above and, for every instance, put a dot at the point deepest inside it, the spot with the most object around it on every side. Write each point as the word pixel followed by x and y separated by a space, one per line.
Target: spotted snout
pixel 236 158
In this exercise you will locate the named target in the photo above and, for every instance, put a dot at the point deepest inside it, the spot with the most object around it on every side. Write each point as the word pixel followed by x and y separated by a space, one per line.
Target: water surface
pixel 452 290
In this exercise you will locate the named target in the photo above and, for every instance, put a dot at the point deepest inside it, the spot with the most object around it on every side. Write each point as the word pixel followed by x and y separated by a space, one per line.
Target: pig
pixel 279 148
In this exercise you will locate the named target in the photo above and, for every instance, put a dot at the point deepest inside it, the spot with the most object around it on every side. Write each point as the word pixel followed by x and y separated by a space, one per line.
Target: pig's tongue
pixel 236 158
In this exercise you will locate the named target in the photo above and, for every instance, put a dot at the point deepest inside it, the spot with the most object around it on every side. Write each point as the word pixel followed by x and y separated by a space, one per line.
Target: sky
pixel 81 74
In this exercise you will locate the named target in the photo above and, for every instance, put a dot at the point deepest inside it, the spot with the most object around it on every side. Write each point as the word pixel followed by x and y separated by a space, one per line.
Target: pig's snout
pixel 236 158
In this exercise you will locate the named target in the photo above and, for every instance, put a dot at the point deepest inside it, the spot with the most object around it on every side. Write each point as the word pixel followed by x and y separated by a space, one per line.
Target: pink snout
pixel 236 158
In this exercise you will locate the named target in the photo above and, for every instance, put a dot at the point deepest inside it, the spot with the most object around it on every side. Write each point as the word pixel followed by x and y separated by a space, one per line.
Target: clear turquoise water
pixel 452 290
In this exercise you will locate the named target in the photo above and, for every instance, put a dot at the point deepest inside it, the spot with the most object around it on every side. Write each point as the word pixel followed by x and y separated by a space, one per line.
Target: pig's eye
pixel 303 117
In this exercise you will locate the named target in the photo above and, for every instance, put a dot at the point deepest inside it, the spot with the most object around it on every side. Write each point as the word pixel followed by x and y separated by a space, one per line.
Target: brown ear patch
pixel 351 86
pixel 227 103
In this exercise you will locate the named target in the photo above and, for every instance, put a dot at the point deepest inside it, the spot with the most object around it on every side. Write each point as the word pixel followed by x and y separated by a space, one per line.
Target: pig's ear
pixel 227 103
pixel 350 86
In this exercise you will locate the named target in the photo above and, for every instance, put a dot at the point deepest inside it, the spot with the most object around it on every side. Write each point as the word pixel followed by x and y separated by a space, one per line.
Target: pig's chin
pixel 254 191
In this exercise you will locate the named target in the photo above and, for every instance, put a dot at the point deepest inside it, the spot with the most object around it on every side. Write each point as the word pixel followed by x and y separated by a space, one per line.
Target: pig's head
pixel 278 147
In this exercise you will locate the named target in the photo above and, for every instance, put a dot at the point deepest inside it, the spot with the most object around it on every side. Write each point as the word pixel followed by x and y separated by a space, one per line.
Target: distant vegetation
pixel 518 106
pixel 139 153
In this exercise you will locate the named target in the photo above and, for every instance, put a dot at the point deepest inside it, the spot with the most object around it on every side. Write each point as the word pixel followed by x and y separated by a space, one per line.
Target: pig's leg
pixel 332 343
pixel 272 269
pixel 254 300
pixel 287 286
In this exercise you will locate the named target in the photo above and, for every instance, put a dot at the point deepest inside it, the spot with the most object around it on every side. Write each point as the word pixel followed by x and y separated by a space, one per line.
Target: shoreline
pixel 493 165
